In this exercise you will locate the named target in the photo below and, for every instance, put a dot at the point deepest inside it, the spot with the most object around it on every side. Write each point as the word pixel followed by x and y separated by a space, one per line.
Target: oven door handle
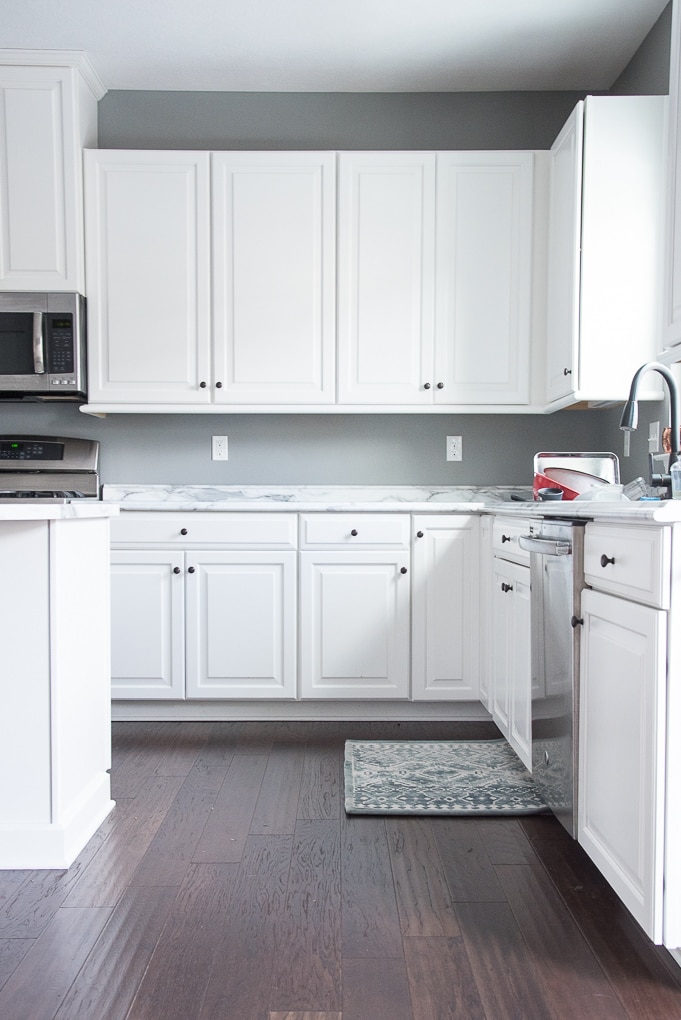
pixel 544 546
pixel 38 344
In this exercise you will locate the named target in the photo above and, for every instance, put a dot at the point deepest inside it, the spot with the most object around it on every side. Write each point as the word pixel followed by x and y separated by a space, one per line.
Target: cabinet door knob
pixel 440 385
pixel 606 559
pixel 426 386
pixel 403 570
pixel 506 587
pixel 576 622
pixel 202 385
pixel 191 570
pixel 505 538
pixel 567 371
pixel 176 570
pixel 183 531
pixel 218 386
pixel 354 532
pixel 419 534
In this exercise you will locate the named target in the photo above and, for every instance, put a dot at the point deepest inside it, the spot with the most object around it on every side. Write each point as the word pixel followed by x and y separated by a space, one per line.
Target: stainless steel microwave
pixel 42 346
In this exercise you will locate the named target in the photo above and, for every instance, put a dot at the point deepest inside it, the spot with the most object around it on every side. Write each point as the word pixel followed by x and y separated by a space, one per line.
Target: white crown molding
pixel 76 59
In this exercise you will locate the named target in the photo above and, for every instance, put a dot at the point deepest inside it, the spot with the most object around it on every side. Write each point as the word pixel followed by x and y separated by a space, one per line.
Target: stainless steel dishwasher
pixel 556 550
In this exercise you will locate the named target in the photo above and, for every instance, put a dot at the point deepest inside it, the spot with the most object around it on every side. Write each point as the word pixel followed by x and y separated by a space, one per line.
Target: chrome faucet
pixel 629 419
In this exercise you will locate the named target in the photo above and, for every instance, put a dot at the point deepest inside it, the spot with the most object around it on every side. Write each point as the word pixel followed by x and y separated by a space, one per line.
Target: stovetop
pixel 48 469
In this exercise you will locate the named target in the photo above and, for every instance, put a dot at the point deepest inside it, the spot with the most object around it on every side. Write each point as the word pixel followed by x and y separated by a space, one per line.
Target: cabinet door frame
pixel 161 285
pixel 164 569
pixel 320 569
pixel 484 277
pixel 622 750
pixel 262 259
pixel 445 601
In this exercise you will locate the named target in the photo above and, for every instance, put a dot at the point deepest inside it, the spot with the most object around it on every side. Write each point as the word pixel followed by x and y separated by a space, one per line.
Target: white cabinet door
pixel 621 757
pixel 605 248
pixel 354 624
pixel 511 669
pixel 484 277
pixel 47 115
pixel 147 249
pixel 241 626
pixel 147 624
pixel 386 248
pixel 445 608
pixel 274 283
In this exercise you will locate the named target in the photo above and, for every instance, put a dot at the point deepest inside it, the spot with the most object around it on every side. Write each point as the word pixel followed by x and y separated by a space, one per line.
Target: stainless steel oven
pixel 48 468
pixel 556 550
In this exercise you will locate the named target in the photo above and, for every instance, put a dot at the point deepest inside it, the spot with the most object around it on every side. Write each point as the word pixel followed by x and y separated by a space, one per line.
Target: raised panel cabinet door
pixel 274 280
pixel 241 625
pixel 386 242
pixel 565 216
pixel 147 625
pixel 354 624
pixel 502 621
pixel 147 254
pixel 445 608
pixel 46 116
pixel 621 754
pixel 484 277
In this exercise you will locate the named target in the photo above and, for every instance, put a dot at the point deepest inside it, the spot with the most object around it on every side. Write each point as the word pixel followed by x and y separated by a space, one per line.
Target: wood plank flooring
pixel 228 884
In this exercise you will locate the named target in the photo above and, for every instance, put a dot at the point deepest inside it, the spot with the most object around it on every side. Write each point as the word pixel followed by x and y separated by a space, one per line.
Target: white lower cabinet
pixel 354 605
pixel 198 621
pixel 623 705
pixel 445 601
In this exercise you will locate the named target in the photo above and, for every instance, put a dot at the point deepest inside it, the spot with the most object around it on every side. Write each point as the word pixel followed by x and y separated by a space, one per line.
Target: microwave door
pixel 22 353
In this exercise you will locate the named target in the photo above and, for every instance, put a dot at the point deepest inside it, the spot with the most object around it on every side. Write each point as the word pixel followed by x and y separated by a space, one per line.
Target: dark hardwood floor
pixel 228 884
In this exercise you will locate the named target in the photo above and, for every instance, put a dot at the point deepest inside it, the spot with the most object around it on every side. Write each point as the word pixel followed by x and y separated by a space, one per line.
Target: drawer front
pixel 230 530
pixel 505 534
pixel 631 561
pixel 343 531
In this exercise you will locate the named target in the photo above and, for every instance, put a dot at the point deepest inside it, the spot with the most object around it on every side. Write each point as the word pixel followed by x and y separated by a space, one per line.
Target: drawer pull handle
pixel 606 559
pixel 505 538
pixel 403 570
pixel 419 534
pixel 183 531
pixel 176 570
pixel 191 570
pixel 506 587
pixel 354 532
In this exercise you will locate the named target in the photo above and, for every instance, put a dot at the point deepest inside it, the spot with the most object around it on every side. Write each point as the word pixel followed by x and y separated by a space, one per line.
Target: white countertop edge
pixel 26 510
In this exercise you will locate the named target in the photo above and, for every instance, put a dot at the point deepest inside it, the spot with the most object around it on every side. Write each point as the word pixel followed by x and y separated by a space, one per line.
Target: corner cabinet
pixel 435 272
pixel 47 115
pixel 605 248
pixel 211 278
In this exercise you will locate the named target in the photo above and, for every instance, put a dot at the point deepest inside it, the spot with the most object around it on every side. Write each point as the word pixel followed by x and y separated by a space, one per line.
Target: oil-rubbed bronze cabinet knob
pixel 426 386
pixel 606 559
pixel 183 531
pixel 176 570
pixel 403 570
pixel 440 385
pixel 202 385
pixel 419 534
pixel 191 570
pixel 354 532
pixel 218 386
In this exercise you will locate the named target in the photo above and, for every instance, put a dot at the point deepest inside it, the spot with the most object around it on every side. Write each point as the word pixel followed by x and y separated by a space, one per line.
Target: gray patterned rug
pixel 437 777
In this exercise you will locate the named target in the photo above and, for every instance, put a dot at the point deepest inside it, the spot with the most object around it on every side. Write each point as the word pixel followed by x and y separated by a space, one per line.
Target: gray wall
pixel 347 449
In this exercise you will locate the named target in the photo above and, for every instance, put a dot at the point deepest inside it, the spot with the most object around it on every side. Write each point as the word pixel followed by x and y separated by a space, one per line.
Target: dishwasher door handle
pixel 545 546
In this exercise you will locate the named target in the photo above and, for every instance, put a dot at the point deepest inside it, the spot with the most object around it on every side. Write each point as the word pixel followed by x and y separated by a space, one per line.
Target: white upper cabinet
pixel 47 115
pixel 605 248
pixel 274 237
pixel 435 273
pixel 386 282
pixel 484 277
pixel 148 276
pixel 672 277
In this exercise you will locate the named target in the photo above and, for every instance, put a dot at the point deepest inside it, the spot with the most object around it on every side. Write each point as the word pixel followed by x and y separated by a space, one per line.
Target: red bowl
pixel 544 482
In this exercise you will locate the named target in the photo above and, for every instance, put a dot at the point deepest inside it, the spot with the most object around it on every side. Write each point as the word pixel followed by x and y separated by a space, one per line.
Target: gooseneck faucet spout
pixel 629 419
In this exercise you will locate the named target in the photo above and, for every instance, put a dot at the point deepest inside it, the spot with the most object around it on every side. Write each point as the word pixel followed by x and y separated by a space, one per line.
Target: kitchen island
pixel 55 733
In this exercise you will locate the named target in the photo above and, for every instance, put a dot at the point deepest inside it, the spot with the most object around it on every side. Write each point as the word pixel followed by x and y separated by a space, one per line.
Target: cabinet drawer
pixel 331 530
pixel 505 534
pixel 255 530
pixel 631 561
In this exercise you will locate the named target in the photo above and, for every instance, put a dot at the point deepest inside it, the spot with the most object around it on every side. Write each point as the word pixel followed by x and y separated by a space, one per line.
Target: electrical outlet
pixel 654 437
pixel 454 448
pixel 219 448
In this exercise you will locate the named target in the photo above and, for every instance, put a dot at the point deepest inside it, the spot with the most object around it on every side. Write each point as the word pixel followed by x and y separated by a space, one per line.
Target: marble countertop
pixel 407 499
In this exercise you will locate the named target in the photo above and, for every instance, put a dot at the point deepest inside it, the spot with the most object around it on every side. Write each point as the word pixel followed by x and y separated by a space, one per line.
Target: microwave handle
pixel 38 344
